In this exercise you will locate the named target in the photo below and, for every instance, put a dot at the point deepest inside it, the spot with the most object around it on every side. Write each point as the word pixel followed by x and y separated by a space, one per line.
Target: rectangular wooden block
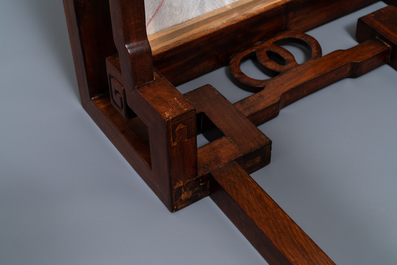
pixel 381 24
pixel 269 229
pixel 246 140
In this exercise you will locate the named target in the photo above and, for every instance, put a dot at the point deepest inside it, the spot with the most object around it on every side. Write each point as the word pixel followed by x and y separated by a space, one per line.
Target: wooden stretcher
pixel 127 85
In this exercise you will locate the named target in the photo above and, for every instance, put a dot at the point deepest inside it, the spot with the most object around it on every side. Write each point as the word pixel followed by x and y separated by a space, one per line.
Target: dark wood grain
pixel 312 76
pixel 303 14
pixel 269 229
pixel 171 126
pixel 154 126
pixel 376 31
pixel 92 38
pixel 194 59
pixel 381 24
pixel 264 52
pixel 246 138
pixel 216 154
pixel 129 35
pixel 391 2
pixel 160 141
pixel 90 33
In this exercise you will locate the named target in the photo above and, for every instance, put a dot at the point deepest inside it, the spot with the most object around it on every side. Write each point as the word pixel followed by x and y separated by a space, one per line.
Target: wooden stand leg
pixel 269 229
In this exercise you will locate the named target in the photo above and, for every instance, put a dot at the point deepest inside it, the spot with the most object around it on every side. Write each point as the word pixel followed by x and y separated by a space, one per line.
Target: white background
pixel 68 197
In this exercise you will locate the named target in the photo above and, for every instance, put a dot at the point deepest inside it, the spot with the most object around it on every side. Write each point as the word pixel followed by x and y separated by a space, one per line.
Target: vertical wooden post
pixel 129 34
pixel 171 121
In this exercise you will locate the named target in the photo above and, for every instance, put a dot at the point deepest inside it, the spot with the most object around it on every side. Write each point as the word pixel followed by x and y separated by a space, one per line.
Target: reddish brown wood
pixel 305 79
pixel 263 53
pixel 374 26
pixel 216 154
pixel 129 35
pixel 194 59
pixel 90 33
pixel 91 36
pixel 303 14
pixel 159 136
pixel 269 229
pixel 171 129
pixel 145 145
pixel 171 123
pixel 135 55
pixel 252 145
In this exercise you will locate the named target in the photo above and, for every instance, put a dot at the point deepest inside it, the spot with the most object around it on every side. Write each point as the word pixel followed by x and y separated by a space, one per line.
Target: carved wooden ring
pixel 273 57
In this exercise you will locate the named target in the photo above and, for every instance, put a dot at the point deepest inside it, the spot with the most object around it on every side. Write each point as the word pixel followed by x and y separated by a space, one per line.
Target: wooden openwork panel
pixel 155 126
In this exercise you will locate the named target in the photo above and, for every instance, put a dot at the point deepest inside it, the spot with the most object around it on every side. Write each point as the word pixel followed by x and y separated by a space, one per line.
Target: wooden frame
pixel 126 83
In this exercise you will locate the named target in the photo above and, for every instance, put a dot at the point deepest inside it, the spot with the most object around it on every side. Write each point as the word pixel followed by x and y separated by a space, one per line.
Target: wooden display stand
pixel 127 84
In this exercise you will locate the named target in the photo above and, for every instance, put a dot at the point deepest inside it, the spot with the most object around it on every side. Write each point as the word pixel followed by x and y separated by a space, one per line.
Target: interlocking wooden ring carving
pixel 272 49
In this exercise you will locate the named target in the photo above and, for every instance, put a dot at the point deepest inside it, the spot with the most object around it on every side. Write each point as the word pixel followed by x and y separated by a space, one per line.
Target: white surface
pixel 68 197
pixel 162 14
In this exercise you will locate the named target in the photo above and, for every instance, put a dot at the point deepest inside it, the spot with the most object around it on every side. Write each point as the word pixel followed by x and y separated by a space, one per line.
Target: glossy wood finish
pixel 303 14
pixel 369 27
pixel 90 33
pixel 250 147
pixel 313 75
pixel 171 123
pixel 268 53
pixel 193 59
pixel 91 36
pixel 187 31
pixel 170 128
pixel 377 32
pixel 269 229
pixel 154 126
pixel 391 2
pixel 159 143
pixel 129 35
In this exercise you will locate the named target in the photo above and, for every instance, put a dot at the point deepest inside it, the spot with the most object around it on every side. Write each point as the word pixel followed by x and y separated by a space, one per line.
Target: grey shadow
pixel 50 18
pixel 351 29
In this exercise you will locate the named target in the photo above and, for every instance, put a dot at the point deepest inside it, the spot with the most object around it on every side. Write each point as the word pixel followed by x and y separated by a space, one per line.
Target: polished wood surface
pixel 373 26
pixel 176 35
pixel 250 147
pixel 133 100
pixel 269 229
pixel 313 75
pixel 226 39
pixel 129 35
